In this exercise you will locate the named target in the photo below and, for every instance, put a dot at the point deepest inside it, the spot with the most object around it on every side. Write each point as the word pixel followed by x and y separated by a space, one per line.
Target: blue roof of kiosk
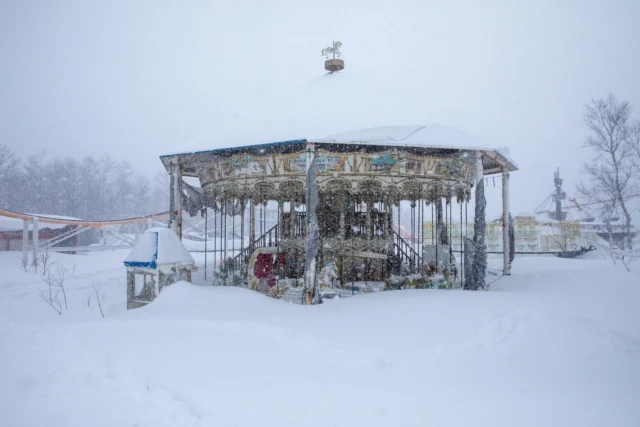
pixel 158 246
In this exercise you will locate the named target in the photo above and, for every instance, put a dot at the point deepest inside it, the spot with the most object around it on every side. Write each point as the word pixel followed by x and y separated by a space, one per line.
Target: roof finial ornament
pixel 333 64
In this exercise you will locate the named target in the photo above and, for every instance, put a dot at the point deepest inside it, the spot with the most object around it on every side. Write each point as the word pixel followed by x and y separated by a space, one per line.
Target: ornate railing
pixel 405 253
pixel 268 239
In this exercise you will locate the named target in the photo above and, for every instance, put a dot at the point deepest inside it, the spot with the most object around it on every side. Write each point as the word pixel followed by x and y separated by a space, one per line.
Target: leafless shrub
pixel 55 278
pixel 100 295
pixel 24 264
pixel 51 296
pixel 45 262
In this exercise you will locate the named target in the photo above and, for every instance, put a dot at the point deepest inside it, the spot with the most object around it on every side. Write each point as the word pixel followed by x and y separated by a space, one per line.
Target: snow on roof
pixel 436 136
pixel 45 216
pixel 158 246
pixel 330 108
pixel 16 224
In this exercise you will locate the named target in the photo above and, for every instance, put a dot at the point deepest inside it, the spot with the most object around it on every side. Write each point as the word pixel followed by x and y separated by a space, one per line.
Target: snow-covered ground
pixel 556 344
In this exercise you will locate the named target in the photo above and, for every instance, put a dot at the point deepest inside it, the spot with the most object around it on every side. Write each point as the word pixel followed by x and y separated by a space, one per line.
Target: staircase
pixel 403 251
pixel 269 239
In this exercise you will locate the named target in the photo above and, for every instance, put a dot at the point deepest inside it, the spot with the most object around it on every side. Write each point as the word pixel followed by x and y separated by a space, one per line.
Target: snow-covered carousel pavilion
pixel 350 199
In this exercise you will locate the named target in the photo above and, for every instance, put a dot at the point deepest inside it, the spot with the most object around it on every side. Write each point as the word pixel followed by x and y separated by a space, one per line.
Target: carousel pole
pixel 226 243
pixel 280 219
pixel 233 234
pixel 432 223
pixel 342 200
pixel 215 238
pixel 279 235
pixel 206 230
pixel 413 234
pixel 252 224
pixel 450 237
pixel 461 248
pixel 242 259
pixel 262 206
pixel 438 212
pixel 399 229
pixel 421 241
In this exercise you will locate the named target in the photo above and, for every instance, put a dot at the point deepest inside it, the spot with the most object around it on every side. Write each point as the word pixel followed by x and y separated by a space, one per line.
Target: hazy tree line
pixel 91 188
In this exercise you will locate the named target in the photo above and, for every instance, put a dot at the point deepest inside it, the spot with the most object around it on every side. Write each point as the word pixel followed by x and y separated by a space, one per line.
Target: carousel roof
pixel 331 109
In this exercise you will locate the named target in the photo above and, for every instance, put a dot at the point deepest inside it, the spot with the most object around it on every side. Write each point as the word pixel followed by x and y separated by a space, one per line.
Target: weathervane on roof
pixel 333 64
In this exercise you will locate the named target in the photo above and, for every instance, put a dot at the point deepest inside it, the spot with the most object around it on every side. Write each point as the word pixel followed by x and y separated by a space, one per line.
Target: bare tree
pixel 7 167
pixel 634 141
pixel 101 296
pixel 564 234
pixel 612 173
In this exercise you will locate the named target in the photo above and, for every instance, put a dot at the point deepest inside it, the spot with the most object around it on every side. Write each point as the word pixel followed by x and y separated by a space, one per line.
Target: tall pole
pixel 178 189
pixel 225 241
pixel 215 226
pixel 252 224
pixel 461 249
pixel 25 243
pixel 206 234
pixel 34 237
pixel 172 200
pixel 233 234
pixel 242 231
pixel 505 222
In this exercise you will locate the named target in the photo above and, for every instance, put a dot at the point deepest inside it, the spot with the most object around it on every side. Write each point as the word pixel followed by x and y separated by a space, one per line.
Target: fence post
pixel 25 243
pixel 34 238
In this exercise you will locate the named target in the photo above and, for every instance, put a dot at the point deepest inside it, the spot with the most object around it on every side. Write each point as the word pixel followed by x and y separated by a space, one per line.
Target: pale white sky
pixel 137 79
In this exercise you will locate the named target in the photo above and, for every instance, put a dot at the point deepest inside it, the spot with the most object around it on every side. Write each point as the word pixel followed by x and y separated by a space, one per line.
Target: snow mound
pixel 555 344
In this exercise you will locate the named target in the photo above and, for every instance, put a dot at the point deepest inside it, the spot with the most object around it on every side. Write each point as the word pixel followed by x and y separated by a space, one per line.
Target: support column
pixel 252 225
pixel 479 263
pixel 178 189
pixel 34 238
pixel 25 243
pixel 175 199
pixel 505 223
pixel 172 200
pixel 131 290
pixel 242 231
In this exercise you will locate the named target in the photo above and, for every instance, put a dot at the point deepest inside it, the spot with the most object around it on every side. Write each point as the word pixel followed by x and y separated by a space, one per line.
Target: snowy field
pixel 556 344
